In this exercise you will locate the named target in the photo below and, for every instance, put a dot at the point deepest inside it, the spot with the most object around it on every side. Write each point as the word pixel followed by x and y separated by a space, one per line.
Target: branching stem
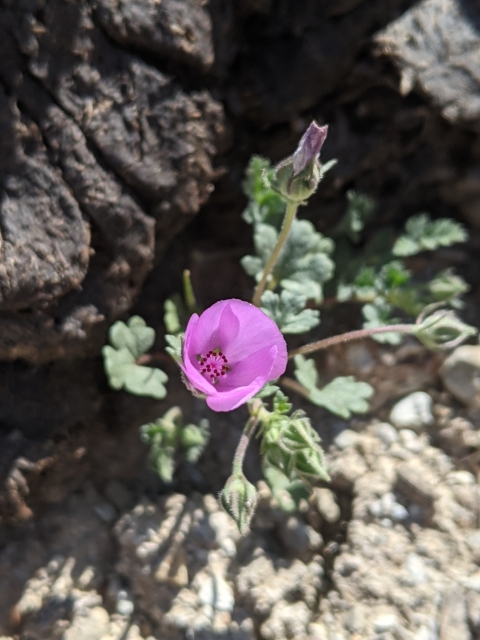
pixel 290 214
pixel 351 335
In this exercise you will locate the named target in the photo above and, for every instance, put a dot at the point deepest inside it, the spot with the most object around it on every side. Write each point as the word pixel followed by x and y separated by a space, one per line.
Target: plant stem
pixel 288 383
pixel 188 292
pixel 351 335
pixel 237 468
pixel 271 262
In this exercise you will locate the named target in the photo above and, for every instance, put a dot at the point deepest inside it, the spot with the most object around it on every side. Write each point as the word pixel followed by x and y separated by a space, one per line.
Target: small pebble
pixel 385 622
pixel 346 439
pixel 386 433
pixel 105 511
pixel 411 441
pixel 413 412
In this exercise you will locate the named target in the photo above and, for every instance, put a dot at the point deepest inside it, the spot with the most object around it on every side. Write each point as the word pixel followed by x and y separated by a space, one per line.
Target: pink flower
pixel 231 351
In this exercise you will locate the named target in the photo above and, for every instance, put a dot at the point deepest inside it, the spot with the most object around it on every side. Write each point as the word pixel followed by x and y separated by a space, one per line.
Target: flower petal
pixel 196 378
pixel 256 365
pixel 229 400
pixel 204 335
pixel 256 331
pixel 229 326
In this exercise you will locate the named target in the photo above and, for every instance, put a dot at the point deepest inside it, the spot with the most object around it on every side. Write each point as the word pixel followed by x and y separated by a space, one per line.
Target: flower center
pixel 213 365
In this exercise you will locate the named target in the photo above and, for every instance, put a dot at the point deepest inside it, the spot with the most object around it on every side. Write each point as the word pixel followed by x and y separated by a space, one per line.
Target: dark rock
pixel 100 152
pixel 179 29
pixel 437 45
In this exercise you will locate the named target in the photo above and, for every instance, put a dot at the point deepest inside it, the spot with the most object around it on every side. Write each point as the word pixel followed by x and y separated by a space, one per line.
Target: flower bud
pixel 239 499
pixel 309 147
pixel 442 330
pixel 297 177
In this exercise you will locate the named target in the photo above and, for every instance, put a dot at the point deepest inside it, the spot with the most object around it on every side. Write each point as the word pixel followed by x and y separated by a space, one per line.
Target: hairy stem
pixel 272 261
pixel 237 468
pixel 351 335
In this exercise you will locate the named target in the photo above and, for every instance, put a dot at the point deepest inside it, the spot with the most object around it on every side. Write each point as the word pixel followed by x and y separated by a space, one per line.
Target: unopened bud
pixel 239 499
pixel 309 147
pixel 297 177
pixel 442 330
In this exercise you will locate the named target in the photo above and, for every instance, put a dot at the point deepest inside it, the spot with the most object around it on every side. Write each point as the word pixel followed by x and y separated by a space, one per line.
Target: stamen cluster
pixel 214 365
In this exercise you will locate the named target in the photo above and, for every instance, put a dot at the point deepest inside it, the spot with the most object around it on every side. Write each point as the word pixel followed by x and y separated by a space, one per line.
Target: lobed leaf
pixel 288 311
pixel 343 396
pixel 134 336
pixel 377 314
pixel 424 234
pixel 360 208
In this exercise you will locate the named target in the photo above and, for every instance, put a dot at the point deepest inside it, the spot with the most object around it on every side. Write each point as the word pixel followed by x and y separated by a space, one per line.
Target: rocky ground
pixel 118 118
pixel 389 550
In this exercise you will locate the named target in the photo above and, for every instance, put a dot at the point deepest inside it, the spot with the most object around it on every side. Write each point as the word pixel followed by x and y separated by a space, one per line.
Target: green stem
pixel 351 335
pixel 271 262
pixel 188 292
pixel 237 468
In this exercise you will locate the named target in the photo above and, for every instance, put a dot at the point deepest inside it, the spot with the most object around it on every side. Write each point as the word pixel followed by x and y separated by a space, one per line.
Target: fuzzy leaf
pixel 423 234
pixel 378 315
pixel 288 493
pixel 359 210
pixel 288 311
pixel 171 316
pixel 175 346
pixel 145 381
pixel 267 391
pixel 134 336
pixel 306 372
pixel 304 264
pixel 343 396
pixel 265 204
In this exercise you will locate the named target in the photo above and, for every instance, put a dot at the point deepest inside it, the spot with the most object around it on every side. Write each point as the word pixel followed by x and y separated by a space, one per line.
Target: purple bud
pixel 309 147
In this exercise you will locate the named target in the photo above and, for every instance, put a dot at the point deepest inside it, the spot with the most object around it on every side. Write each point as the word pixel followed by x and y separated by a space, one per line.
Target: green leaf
pixel 424 234
pixel 265 204
pixel 123 373
pixel 134 336
pixel 267 391
pixel 281 403
pixel 343 396
pixel 167 434
pixel 175 346
pixel 359 210
pixel 288 493
pixel 194 439
pixel 446 286
pixel 115 363
pixel 378 315
pixel 306 372
pixel 145 381
pixel 288 311
pixel 171 316
pixel 304 264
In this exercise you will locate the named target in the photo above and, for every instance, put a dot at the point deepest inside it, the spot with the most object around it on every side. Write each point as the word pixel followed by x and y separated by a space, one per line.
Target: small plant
pixel 234 353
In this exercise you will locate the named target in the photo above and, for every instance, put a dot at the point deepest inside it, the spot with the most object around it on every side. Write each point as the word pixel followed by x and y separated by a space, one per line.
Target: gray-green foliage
pixel 380 279
pixel 168 436
pixel 290 445
pixel 424 234
pixel 128 342
pixel 287 309
pixel 304 264
pixel 359 210
pixel 342 396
